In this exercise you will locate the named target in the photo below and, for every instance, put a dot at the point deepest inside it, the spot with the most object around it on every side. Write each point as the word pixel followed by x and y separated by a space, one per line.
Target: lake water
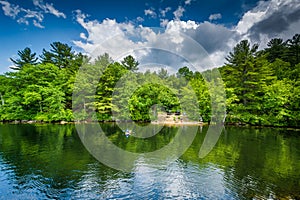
pixel 50 162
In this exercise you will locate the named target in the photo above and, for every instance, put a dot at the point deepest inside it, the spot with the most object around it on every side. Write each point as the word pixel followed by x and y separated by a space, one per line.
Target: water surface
pixel 49 161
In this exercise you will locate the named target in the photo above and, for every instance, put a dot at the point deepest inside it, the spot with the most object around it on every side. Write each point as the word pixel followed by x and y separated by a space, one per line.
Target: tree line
pixel 262 87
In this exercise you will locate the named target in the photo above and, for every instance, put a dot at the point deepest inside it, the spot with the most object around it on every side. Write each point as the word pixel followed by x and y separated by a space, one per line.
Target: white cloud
pixel 269 19
pixel 150 12
pixel 28 16
pixel 187 2
pixel 9 9
pixel 48 8
pixel 37 24
pixel 83 36
pixel 164 47
pixel 215 40
pixel 179 12
pixel 100 32
pixel 33 15
pixel 164 22
pixel 215 16
pixel 163 12
pixel 23 21
pixel 181 25
pixel 248 20
pixel 139 19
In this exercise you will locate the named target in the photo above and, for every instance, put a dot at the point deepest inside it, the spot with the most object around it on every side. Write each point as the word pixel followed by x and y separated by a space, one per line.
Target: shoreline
pixel 167 123
pixel 164 123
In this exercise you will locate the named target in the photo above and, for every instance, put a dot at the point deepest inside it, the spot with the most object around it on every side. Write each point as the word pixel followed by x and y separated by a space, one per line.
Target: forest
pixel 262 87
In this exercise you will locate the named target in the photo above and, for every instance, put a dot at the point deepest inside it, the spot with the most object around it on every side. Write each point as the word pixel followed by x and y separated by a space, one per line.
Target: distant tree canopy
pixel 262 86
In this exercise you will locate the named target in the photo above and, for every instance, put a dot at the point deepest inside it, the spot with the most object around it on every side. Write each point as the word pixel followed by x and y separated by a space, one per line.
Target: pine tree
pixel 26 57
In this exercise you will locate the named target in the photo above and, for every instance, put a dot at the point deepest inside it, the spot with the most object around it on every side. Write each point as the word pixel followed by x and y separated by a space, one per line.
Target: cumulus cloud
pixel 211 36
pixel 184 38
pixel 83 36
pixel 279 17
pixel 215 16
pixel 174 46
pixel 163 12
pixel 27 16
pixel 274 18
pixel 178 13
pixel 164 22
pixel 100 32
pixel 150 12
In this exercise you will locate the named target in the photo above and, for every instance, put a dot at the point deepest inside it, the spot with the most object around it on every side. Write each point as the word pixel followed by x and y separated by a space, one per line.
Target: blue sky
pixel 217 25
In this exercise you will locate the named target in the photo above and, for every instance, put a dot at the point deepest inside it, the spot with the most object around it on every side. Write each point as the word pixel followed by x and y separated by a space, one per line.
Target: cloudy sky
pixel 162 32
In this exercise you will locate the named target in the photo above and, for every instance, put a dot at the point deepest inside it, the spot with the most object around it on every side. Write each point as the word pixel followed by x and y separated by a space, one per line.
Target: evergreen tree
pixel 294 49
pixel 62 56
pixel 130 63
pixel 26 57
pixel 238 70
pixel 276 49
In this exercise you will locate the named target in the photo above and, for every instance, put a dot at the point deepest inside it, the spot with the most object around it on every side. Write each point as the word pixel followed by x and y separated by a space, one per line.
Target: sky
pixel 162 32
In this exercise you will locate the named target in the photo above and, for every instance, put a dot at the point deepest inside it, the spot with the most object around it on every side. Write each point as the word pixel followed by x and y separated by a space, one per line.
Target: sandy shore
pixel 168 123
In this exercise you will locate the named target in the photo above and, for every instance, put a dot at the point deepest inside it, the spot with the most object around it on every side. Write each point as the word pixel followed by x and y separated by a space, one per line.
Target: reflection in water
pixel 49 161
pixel 122 154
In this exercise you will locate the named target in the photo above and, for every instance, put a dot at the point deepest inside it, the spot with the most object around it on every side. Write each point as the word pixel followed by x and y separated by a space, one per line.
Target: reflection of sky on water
pixel 179 180
pixel 176 180
pixel 5 173
pixel 13 186
pixel 31 168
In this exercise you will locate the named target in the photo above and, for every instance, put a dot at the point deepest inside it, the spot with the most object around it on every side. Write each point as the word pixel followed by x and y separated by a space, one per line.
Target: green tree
pixel 246 76
pixel 163 73
pixel 103 60
pixel 276 49
pixel 203 97
pixel 130 63
pixel 62 56
pixel 105 89
pixel 294 49
pixel 147 97
pixel 185 72
pixel 35 93
pixel 25 57
pixel 237 72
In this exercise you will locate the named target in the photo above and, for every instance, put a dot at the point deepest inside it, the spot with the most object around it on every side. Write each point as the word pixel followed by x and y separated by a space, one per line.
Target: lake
pixel 50 162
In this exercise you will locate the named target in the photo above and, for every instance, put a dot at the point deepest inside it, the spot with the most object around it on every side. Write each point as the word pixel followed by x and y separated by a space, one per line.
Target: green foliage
pixel 294 50
pixel 146 99
pixel 262 87
pixel 34 93
pixel 26 58
pixel 62 56
pixel 276 49
pixel 130 63
pixel 185 72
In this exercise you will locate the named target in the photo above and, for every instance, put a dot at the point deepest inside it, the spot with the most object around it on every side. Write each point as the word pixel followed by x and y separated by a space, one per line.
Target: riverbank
pixel 155 122
pixel 179 123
